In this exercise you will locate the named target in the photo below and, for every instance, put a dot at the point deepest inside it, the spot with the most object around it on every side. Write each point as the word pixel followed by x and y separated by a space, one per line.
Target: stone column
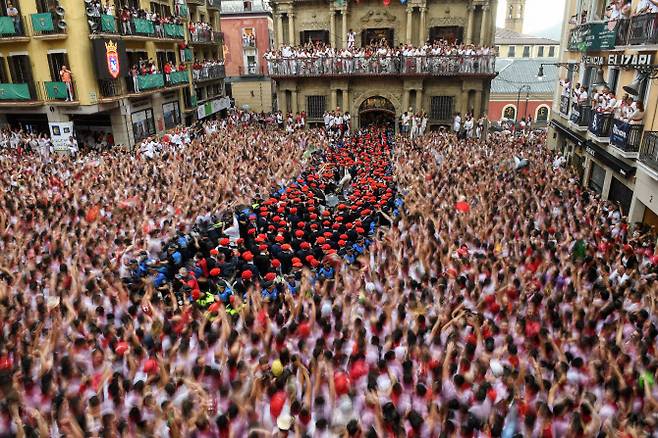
pixel 291 28
pixel 408 29
pixel 281 100
pixel 469 28
pixel 293 96
pixel 419 99
pixel 279 30
pixel 332 28
pixel 346 101
pixel 477 104
pixel 423 27
pixel 484 26
pixel 405 100
pixel 333 101
pixel 344 27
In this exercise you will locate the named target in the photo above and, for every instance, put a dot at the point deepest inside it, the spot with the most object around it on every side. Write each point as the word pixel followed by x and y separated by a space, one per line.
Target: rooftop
pixel 513 73
pixel 235 7
pixel 506 36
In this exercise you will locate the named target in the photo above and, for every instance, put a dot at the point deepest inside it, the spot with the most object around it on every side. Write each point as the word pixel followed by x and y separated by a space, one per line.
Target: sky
pixel 542 17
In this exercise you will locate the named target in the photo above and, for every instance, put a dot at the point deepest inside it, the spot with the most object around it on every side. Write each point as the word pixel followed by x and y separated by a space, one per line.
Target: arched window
pixel 509 112
pixel 542 114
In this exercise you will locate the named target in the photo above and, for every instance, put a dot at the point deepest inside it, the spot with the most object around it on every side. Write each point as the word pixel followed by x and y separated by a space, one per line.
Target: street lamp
pixel 571 66
pixel 518 99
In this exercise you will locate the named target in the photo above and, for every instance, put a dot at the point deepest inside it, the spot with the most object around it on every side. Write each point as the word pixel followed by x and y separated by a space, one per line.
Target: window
pixel 441 107
pixel 613 78
pixel 171 114
pixel 55 63
pixel 46 5
pixel 316 106
pixel 163 57
pixel 511 51
pixel 313 36
pixel 509 112
pixel 542 114
pixel 596 178
pixel 526 51
pixel 162 10
pixel 551 52
pixel 143 124
pixel 3 74
pixel 20 69
pixel 251 65
pixel 247 5
pixel 540 52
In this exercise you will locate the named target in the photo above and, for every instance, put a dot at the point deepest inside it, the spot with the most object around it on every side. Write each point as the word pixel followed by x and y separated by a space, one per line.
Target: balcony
pixel 136 28
pixel 181 77
pixel 209 73
pixel 643 30
pixel 114 89
pixel 253 70
pixel 205 37
pixel 19 94
pixel 626 138
pixel 48 26
pixel 248 41
pixel 580 116
pixel 622 32
pixel 419 66
pixel 55 92
pixel 565 101
pixel 600 125
pixel 111 89
pixel 649 151
pixel 13 31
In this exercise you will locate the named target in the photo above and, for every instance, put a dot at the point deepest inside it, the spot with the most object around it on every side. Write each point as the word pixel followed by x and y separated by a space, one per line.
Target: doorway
pixel 376 111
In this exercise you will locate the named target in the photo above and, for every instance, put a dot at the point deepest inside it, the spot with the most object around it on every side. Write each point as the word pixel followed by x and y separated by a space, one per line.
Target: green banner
pixel 193 101
pixel 144 27
pixel 179 77
pixel 7 26
pixel 42 22
pixel 173 30
pixel 188 56
pixel 56 90
pixel 593 37
pixel 108 24
pixel 15 92
pixel 149 82
pixel 184 12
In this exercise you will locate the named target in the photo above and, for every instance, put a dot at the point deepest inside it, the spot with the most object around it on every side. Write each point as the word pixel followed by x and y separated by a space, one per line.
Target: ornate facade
pixel 432 85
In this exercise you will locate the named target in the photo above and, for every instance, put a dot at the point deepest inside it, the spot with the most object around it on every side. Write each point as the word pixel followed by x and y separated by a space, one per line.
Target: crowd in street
pixel 250 282
pixel 378 57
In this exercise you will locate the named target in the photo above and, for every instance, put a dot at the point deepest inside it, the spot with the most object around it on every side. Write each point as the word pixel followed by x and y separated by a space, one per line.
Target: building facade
pixel 102 92
pixel 514 14
pixel 517 93
pixel 615 148
pixel 248 35
pixel 369 94
pixel 511 44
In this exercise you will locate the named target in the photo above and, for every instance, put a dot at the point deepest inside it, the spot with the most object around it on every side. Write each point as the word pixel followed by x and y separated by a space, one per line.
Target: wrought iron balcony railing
pixel 649 150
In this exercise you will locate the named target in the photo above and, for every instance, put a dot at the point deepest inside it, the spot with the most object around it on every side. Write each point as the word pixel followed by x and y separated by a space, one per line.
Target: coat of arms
pixel 112 56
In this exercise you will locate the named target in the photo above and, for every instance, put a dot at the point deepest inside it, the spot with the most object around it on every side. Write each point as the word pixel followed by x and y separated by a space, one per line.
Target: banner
pixel 188 56
pixel 212 107
pixel 184 11
pixel 179 77
pixel 592 37
pixel 59 135
pixel 110 58
pixel 42 22
pixel 149 82
pixel 7 26
pixel 619 134
pixel 108 24
pixel 15 92
pixel 143 26
pixel 173 31
pixel 56 90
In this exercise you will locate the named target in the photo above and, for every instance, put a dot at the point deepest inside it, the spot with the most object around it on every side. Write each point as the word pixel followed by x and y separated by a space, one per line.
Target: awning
pixel 557 125
pixel 609 160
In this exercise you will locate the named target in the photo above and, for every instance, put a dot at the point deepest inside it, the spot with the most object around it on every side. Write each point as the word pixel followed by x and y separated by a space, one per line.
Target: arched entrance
pixel 376 110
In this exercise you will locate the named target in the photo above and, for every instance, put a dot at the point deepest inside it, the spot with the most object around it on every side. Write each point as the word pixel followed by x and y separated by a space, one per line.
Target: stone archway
pixel 388 96
pixel 377 110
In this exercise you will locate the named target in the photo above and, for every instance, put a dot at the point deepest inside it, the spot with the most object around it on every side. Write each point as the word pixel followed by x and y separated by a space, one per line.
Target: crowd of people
pixel 126 14
pixel 200 31
pixel 249 282
pixel 603 100
pixel 378 57
pixel 207 68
